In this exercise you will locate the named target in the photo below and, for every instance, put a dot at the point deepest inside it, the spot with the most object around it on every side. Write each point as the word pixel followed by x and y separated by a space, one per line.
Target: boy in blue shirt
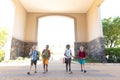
pixel 34 57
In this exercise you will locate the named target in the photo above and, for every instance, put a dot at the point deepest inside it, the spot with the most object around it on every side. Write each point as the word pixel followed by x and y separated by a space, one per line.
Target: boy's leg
pixel 69 62
pixel 66 62
pixel 46 64
pixel 81 63
pixel 66 67
pixel 35 63
pixel 30 67
pixel 84 66
pixel 70 72
pixel 46 67
pixel 81 67
pixel 35 68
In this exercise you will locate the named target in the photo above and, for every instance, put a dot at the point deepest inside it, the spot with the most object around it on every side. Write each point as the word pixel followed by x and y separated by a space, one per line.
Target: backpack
pixel 37 55
pixel 46 54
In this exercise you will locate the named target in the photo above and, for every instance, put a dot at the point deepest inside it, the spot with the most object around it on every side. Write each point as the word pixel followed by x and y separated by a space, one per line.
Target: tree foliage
pixel 3 36
pixel 111 32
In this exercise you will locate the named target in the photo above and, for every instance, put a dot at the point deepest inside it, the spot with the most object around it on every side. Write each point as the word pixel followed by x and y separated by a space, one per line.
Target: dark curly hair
pixel 67 46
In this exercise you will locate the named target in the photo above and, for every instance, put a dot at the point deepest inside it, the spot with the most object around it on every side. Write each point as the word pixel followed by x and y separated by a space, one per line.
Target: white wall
pixel 94 28
pixel 19 21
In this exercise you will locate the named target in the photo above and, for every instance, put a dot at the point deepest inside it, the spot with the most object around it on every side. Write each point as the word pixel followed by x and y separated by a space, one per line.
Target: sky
pixel 110 8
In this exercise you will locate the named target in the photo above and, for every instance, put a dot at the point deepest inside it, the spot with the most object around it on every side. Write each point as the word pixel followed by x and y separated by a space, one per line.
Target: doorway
pixel 56 31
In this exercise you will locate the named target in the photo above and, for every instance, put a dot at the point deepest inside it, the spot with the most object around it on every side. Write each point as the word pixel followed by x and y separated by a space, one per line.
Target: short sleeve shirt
pixel 34 55
pixel 68 53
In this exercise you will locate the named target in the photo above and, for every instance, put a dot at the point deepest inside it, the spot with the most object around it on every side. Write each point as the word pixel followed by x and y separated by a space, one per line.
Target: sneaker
pixel 66 70
pixel 46 70
pixel 81 70
pixel 85 71
pixel 35 72
pixel 70 72
pixel 28 73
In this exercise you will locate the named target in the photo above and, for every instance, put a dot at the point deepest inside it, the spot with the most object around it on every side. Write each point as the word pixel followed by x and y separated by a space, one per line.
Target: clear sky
pixel 110 8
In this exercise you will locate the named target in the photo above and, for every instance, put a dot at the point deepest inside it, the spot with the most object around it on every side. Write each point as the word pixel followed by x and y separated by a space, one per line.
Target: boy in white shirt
pixel 68 55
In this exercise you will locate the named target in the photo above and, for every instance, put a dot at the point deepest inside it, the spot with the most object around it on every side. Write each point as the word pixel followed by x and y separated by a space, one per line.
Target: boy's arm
pixel 38 53
pixel 71 53
pixel 65 53
pixel 42 52
pixel 30 53
pixel 49 53
pixel 78 55
pixel 84 55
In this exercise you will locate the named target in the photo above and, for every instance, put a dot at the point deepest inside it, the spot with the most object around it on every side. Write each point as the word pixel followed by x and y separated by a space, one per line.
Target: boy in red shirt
pixel 81 58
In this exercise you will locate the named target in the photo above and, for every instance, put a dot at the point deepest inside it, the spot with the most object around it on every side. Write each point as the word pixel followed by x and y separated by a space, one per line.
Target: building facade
pixel 88 30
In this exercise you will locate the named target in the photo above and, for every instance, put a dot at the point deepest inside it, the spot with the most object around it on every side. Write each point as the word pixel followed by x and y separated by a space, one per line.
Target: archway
pixel 56 31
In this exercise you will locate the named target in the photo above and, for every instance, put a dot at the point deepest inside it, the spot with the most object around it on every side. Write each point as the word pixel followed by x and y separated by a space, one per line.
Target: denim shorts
pixel 81 61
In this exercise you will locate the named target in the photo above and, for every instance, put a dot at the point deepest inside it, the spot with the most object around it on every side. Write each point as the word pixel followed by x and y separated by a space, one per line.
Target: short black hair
pixel 67 45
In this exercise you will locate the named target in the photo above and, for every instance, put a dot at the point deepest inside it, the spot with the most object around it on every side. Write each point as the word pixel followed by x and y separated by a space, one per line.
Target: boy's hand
pixel 82 58
pixel 73 56
pixel 48 58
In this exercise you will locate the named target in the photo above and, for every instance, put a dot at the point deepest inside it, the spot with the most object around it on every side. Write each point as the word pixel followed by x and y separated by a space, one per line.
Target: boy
pixel 68 55
pixel 34 57
pixel 81 60
pixel 46 57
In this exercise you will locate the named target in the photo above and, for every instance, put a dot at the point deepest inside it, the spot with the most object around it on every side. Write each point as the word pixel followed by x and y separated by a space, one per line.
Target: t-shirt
pixel 46 53
pixel 81 54
pixel 34 54
pixel 68 53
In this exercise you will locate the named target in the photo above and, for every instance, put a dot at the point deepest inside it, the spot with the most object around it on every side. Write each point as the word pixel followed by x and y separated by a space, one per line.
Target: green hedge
pixel 113 55
pixel 88 60
pixel 2 53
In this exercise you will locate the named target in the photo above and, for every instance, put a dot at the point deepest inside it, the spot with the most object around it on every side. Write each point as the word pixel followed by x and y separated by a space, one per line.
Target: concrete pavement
pixel 95 71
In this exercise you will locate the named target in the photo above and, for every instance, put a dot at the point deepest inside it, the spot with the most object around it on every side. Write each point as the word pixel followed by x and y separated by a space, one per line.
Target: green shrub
pixel 113 55
pixel 88 60
pixel 2 53
pixel 20 58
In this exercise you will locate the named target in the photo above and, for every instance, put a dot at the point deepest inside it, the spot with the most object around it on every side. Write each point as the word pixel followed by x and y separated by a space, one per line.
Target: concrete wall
pixel 94 46
pixel 94 33
pixel 93 21
pixel 19 21
pixel 32 21
pixel 17 46
pixel 88 30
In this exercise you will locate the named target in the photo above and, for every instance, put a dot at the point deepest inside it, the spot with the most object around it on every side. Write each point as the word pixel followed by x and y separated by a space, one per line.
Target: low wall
pixel 95 49
pixel 20 48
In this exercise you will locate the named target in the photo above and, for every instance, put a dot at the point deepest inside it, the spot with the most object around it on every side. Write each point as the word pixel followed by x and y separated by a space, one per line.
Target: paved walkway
pixel 95 71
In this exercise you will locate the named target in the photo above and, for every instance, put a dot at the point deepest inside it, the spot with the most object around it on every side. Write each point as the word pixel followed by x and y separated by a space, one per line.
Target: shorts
pixel 81 61
pixel 67 60
pixel 45 60
pixel 33 62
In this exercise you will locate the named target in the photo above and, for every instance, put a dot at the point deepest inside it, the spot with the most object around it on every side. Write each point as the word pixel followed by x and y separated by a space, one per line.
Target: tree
pixel 111 32
pixel 3 36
